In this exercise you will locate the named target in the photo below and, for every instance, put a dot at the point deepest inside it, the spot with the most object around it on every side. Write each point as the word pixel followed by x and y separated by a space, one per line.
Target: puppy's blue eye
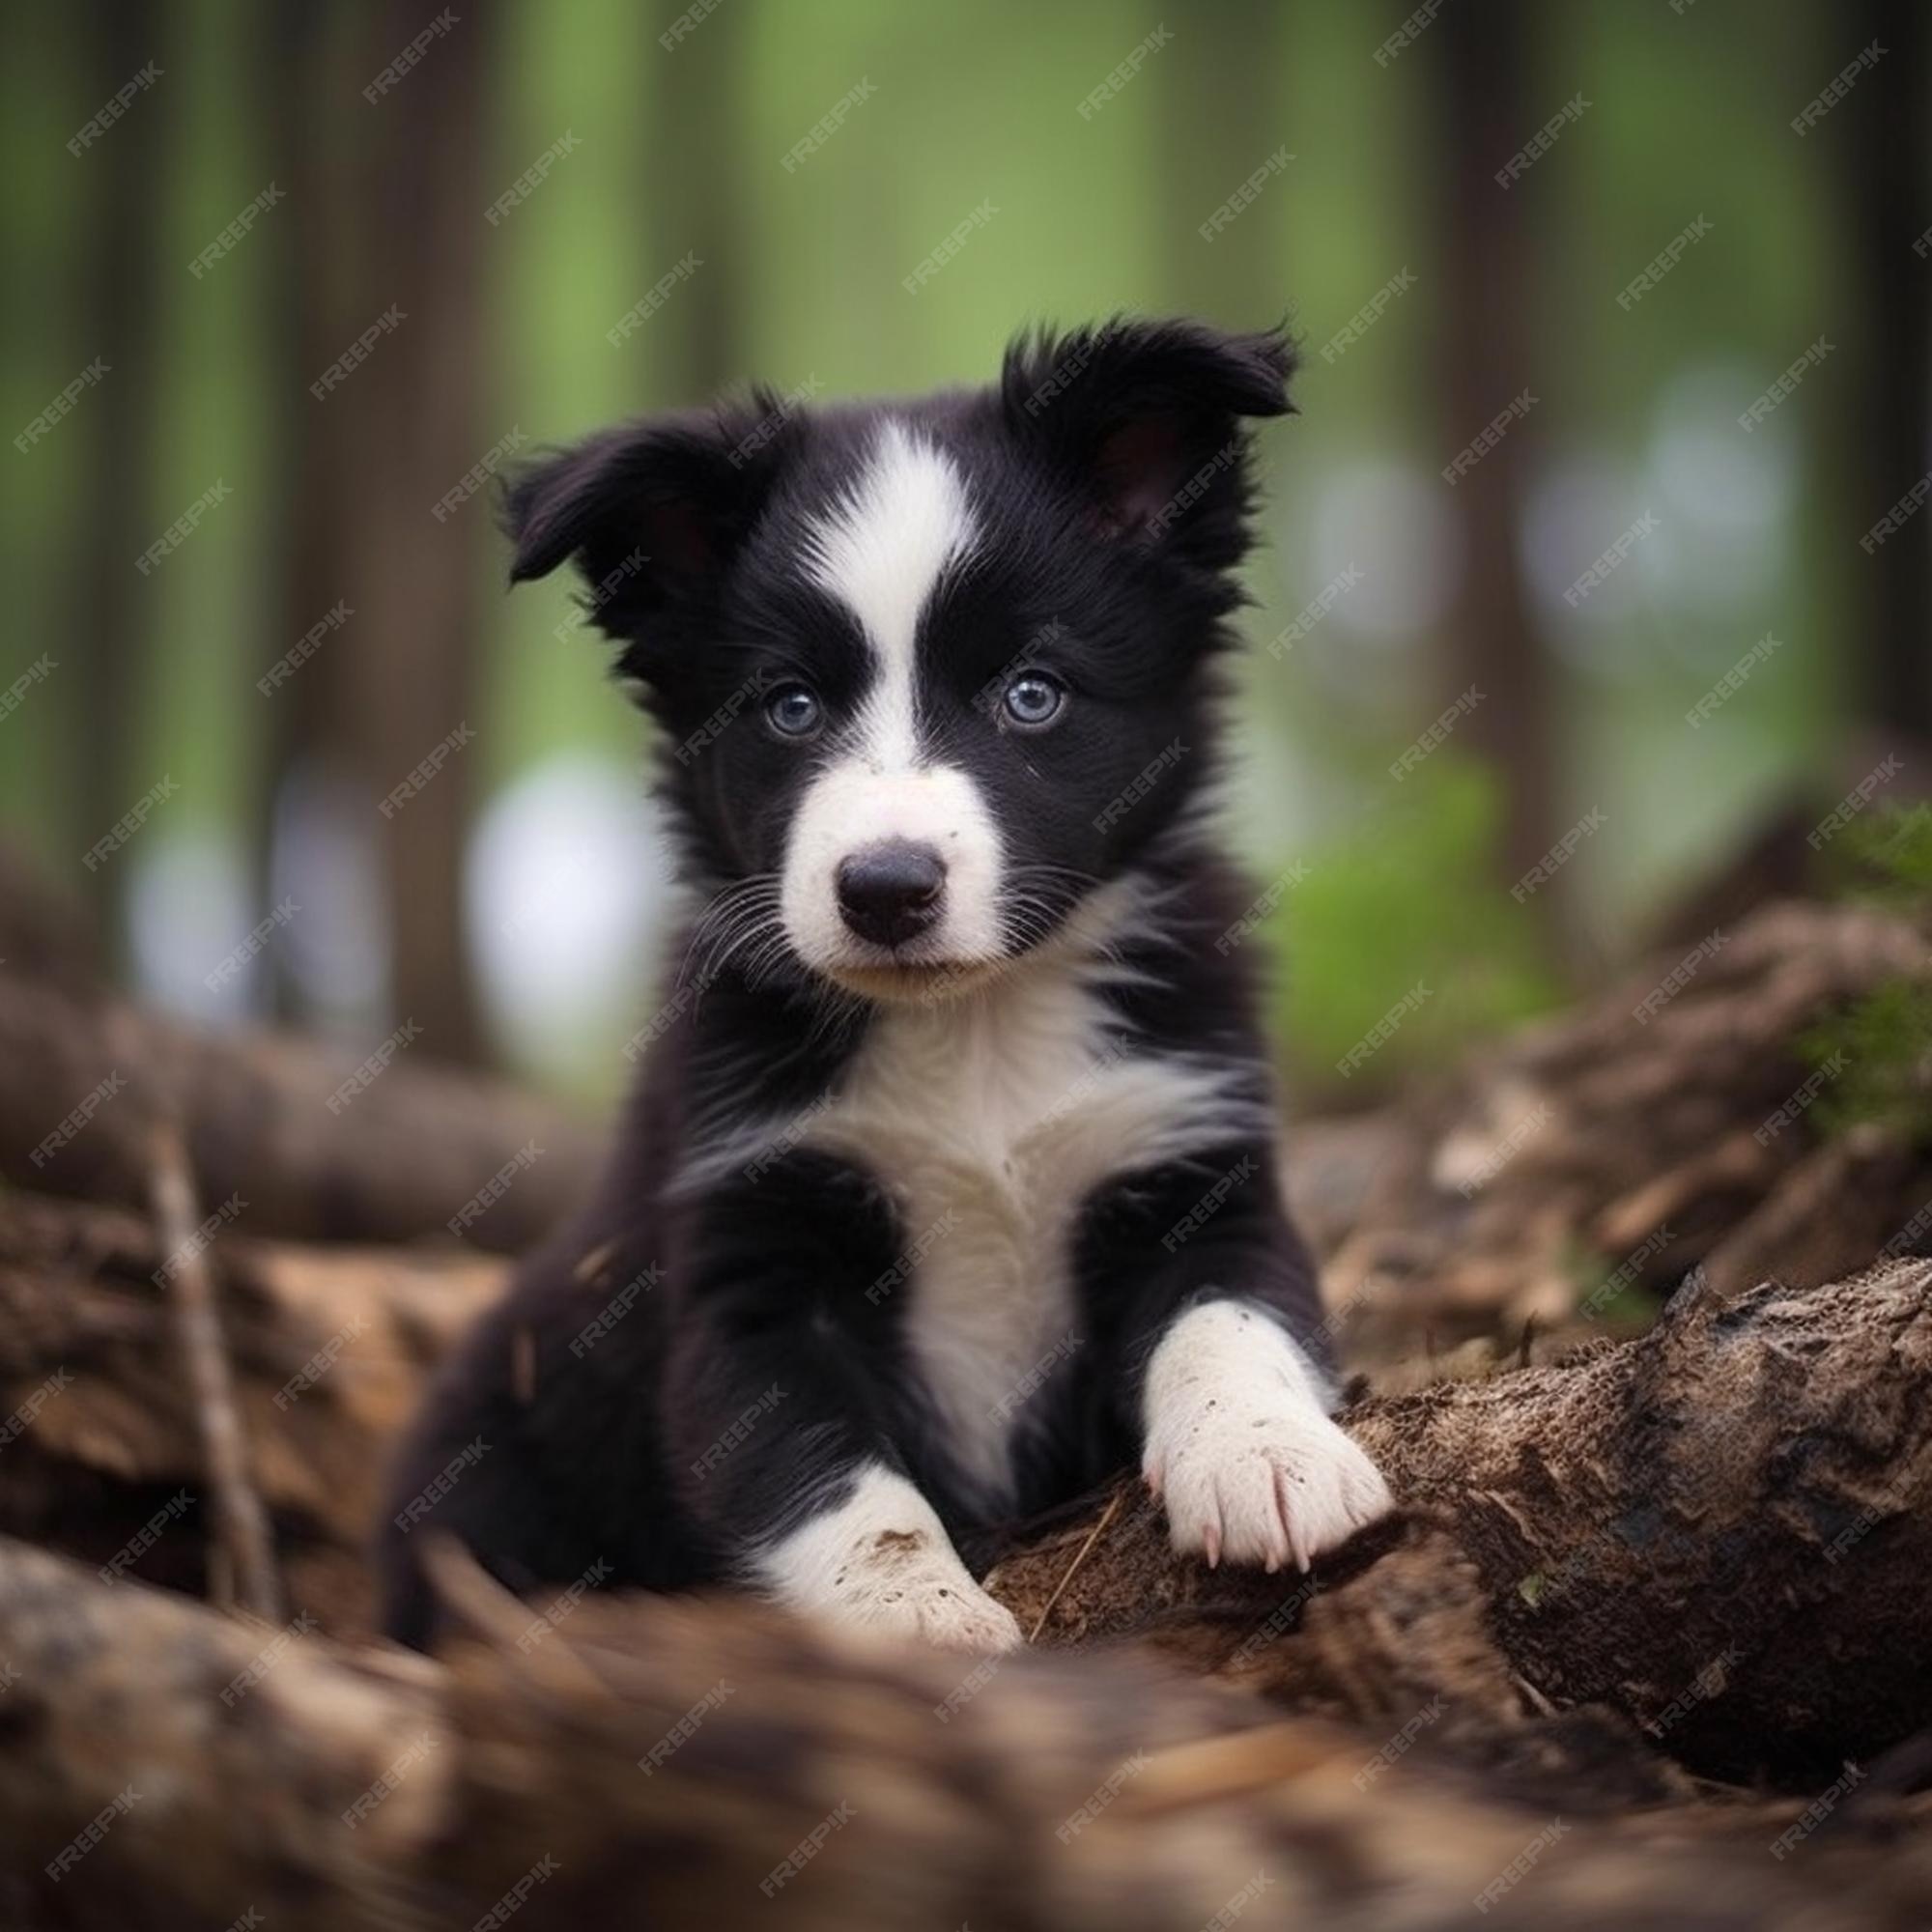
pixel 793 711
pixel 1034 698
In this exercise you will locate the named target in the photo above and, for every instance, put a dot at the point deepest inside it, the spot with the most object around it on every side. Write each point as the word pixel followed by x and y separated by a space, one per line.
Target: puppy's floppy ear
pixel 651 511
pixel 1148 419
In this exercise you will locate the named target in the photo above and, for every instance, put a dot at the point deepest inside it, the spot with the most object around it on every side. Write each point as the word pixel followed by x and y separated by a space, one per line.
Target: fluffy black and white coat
pixel 948 1185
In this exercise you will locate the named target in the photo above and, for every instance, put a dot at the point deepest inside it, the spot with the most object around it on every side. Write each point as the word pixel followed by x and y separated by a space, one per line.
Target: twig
pixel 242 1552
pixel 242 1538
pixel 1107 1516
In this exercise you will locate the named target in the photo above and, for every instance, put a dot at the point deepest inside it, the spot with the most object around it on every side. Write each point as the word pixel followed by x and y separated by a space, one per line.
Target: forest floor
pixel 1640 1323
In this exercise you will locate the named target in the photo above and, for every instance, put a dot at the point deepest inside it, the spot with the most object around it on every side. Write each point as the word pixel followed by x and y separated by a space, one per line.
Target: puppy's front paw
pixel 1257 1487
pixel 882 1561
pixel 1242 1449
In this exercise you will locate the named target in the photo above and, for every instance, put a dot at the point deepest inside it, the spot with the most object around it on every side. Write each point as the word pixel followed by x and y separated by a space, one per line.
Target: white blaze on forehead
pixel 881 552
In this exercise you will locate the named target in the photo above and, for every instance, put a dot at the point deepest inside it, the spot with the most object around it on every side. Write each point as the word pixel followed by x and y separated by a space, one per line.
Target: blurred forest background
pixel 538 218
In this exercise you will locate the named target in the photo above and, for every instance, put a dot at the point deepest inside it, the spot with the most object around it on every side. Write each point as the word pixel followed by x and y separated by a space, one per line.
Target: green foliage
pixel 1885 1037
pixel 1407 898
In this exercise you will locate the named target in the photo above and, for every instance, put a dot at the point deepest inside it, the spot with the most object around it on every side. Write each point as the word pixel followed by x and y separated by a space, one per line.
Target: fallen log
pixel 1723 1529
pixel 98 1429
pixel 272 1120
pixel 688 1764
pixel 1593 1160
pixel 1720 1529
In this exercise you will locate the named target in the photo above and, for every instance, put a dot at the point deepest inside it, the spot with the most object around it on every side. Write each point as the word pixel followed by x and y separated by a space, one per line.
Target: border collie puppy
pixel 950 1182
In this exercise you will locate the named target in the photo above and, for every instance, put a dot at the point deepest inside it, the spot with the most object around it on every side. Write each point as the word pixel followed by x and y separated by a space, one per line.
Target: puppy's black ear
pixel 1148 419
pixel 651 511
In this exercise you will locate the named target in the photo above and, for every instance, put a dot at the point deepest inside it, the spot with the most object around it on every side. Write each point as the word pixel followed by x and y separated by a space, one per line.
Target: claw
pixel 1211 1539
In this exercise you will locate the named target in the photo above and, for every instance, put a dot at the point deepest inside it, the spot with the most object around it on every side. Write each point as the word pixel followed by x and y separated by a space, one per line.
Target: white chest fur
pixel 991 1118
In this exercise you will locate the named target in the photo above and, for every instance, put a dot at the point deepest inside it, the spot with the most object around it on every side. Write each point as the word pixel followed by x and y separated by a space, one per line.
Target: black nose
pixel 889 893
